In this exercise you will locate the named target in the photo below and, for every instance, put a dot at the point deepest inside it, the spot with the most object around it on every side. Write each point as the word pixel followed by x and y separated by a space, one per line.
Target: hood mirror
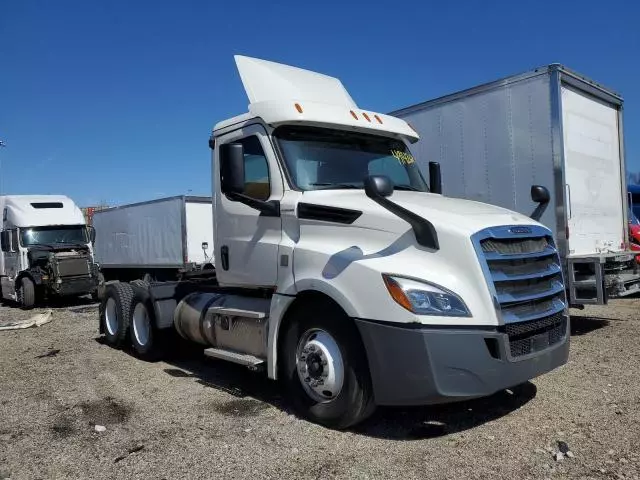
pixel 376 186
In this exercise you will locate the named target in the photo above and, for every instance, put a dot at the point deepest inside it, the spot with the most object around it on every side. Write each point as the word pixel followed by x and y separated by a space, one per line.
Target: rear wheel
pixel 147 341
pixel 140 283
pixel 325 368
pixel 115 313
pixel 26 293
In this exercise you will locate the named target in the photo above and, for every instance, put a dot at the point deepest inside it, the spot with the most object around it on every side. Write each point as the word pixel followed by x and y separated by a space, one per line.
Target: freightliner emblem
pixel 520 230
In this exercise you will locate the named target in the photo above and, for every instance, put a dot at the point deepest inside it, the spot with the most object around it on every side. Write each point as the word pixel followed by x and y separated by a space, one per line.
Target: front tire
pixel 115 313
pixel 325 368
pixel 26 293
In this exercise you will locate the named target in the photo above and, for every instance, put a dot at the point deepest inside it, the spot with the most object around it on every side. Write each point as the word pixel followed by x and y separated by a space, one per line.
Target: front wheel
pixel 325 368
pixel 26 293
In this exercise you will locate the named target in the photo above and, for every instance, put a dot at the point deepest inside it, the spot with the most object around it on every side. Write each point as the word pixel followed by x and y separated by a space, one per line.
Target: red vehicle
pixel 634 234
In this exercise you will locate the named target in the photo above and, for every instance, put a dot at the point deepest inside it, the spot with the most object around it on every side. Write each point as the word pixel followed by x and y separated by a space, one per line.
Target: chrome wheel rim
pixel 111 316
pixel 319 365
pixel 141 324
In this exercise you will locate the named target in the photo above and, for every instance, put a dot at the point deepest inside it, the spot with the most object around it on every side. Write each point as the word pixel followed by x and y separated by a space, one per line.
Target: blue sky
pixel 112 101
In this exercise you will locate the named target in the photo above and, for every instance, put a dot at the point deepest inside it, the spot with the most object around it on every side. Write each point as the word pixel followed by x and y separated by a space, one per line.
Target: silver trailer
pixel 154 240
pixel 550 127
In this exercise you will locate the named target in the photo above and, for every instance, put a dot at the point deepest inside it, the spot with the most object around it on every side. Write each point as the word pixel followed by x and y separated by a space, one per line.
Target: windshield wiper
pixel 407 187
pixel 331 186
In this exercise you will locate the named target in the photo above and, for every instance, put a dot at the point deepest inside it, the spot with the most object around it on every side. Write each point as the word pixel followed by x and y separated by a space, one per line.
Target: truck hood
pixel 59 247
pixel 452 214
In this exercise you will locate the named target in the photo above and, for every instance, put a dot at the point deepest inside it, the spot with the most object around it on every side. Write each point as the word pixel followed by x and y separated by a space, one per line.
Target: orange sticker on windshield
pixel 403 157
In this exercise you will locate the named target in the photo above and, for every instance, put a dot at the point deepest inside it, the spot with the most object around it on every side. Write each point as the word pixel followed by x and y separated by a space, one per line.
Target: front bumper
pixel 427 365
pixel 75 286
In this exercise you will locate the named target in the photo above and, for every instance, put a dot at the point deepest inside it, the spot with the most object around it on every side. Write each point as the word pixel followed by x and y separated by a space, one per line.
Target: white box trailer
pixel 155 240
pixel 552 127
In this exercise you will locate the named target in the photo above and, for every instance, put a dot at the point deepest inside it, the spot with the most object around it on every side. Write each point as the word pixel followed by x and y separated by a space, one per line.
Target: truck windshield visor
pixel 56 235
pixel 319 159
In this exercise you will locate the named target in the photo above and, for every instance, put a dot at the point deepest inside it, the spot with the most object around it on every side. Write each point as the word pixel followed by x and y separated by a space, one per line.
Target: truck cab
pixel 343 273
pixel 47 249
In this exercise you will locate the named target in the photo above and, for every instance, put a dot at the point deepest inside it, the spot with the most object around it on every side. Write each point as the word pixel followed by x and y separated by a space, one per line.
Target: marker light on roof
pixel 298 108
pixel 353 114
pixel 378 118
pixel 366 116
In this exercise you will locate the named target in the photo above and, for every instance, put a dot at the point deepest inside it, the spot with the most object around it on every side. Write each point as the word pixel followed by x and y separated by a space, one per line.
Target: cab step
pixel 250 361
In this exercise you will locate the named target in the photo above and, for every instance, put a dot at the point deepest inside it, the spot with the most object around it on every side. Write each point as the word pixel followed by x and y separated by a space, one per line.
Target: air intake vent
pixel 47 205
pixel 529 337
pixel 324 213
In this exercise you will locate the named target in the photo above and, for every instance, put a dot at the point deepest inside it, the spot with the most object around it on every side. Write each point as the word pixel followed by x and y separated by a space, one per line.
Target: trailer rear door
pixel 592 174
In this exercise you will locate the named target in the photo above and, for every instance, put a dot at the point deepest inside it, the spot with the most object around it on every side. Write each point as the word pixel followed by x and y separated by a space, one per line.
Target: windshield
pixel 319 158
pixel 73 234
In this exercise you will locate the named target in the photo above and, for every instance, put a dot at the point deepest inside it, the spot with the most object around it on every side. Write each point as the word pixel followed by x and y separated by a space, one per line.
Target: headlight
pixel 424 298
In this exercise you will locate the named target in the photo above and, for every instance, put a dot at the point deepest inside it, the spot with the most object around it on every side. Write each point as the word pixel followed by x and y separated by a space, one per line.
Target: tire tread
pixel 123 295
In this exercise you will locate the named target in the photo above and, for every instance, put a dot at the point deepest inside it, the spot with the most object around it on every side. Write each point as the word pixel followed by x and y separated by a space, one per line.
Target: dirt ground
pixel 191 417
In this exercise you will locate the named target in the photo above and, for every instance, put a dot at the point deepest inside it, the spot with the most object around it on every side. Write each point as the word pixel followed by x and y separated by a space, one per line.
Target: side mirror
pixel 376 186
pixel 435 178
pixel 205 246
pixel 540 195
pixel 232 168
pixel 92 234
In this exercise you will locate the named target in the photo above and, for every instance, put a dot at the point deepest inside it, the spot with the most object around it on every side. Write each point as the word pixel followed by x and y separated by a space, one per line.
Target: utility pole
pixel 2 144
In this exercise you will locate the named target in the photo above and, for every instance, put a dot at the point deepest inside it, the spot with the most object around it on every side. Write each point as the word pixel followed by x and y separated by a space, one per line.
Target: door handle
pixel 224 257
pixel 569 199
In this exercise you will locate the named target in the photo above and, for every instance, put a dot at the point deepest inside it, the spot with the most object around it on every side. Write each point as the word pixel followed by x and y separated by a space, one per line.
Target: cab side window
pixel 5 241
pixel 9 240
pixel 256 169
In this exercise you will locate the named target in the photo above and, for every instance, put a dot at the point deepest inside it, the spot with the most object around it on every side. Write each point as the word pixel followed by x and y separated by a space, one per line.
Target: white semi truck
pixel 46 249
pixel 551 126
pixel 341 273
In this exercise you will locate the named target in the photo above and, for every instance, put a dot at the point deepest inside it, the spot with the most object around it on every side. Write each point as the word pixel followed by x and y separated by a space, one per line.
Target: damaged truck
pixel 47 250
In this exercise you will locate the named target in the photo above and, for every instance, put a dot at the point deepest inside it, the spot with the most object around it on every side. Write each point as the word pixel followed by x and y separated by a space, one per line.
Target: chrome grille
pixel 509 247
pixel 72 267
pixel 523 272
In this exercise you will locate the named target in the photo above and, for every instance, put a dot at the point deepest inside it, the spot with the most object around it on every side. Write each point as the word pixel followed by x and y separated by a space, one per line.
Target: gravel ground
pixel 190 417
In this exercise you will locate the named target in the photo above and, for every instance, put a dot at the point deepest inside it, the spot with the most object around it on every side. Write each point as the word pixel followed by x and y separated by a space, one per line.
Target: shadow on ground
pixel 418 423
pixel 583 325
pixel 76 304
pixel 251 388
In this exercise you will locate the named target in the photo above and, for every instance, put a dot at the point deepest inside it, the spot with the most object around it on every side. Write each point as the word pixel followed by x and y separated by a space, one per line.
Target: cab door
pixel 11 263
pixel 247 242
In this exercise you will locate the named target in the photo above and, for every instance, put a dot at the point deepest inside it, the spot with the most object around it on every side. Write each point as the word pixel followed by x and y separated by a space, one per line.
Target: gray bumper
pixel 421 366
